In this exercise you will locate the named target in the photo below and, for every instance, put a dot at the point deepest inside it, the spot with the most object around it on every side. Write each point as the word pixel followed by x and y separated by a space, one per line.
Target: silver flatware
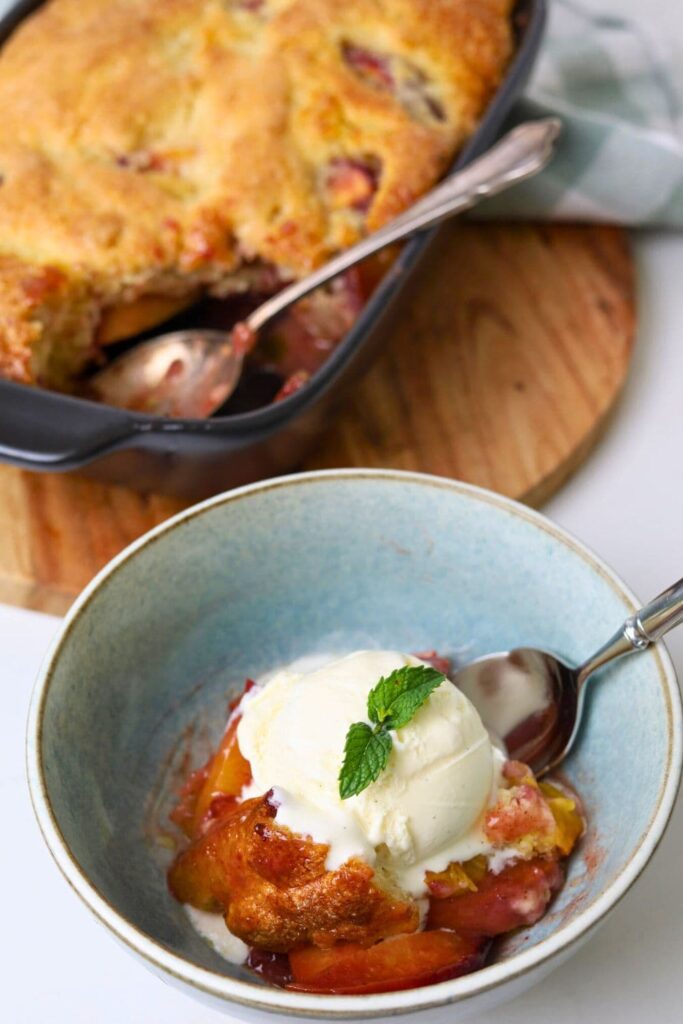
pixel 191 373
pixel 535 702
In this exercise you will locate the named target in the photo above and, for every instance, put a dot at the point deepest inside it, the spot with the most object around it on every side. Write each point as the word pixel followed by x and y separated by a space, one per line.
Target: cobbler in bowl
pixel 132 701
pixel 393 870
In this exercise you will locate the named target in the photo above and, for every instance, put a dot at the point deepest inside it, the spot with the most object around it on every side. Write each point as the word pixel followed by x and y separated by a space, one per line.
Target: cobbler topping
pixel 203 128
pixel 417 94
pixel 38 286
pixel 142 160
pixel 352 183
pixel 372 66
pixel 149 160
pixel 519 812
pixel 252 6
pixel 411 86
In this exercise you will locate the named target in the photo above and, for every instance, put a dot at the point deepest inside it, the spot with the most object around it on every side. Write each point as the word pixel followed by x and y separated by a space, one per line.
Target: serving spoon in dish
pixel 191 373
pixel 535 702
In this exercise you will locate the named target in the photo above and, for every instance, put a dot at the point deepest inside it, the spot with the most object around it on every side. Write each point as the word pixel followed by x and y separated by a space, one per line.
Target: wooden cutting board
pixel 503 375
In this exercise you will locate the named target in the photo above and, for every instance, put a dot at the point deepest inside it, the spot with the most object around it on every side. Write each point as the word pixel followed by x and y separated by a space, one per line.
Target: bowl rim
pixel 257 996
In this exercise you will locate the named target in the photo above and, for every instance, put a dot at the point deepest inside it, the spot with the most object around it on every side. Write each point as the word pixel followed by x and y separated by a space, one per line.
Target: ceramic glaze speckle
pixel 331 562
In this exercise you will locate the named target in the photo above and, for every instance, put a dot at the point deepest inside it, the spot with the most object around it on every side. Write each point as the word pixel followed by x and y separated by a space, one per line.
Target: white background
pixel 58 965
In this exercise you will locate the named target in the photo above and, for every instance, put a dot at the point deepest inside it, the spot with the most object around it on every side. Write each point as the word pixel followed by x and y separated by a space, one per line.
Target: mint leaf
pixel 394 700
pixel 365 756
pixel 391 705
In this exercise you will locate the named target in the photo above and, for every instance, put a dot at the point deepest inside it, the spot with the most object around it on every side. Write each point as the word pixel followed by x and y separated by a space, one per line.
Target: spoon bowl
pixel 528 698
pixel 186 374
pixel 534 701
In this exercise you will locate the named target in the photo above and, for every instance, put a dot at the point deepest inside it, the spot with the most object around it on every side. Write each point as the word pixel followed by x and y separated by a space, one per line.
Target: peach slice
pixel 228 773
pixel 405 961
pixel 214 789
pixel 515 898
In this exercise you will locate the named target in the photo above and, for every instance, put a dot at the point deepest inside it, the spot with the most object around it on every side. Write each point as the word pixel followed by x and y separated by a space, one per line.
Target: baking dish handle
pixel 43 430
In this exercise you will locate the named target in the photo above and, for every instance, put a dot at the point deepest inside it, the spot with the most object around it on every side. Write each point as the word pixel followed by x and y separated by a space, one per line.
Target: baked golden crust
pixel 151 147
pixel 275 889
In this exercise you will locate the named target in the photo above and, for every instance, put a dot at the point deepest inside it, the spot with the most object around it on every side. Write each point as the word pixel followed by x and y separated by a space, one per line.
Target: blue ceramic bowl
pixel 330 562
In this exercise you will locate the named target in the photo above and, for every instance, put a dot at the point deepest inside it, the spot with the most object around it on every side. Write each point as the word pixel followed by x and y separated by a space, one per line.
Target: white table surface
pixel 59 965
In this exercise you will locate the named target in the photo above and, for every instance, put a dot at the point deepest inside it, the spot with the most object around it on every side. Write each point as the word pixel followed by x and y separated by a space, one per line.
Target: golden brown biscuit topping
pixel 153 147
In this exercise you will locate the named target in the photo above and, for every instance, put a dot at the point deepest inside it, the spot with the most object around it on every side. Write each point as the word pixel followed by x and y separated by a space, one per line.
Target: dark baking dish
pixel 41 430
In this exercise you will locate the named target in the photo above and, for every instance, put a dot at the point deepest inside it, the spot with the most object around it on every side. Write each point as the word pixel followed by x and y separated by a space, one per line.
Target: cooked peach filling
pixel 350 930
pixel 128 319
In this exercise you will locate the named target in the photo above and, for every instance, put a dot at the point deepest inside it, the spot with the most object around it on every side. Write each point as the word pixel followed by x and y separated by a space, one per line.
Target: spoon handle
pixel 640 630
pixel 659 616
pixel 518 155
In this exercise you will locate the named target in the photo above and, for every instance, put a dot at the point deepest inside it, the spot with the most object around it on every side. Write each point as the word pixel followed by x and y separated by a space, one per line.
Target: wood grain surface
pixel 503 374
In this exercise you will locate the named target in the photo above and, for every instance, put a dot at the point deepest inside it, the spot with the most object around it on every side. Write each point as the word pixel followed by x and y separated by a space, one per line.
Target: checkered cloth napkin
pixel 620 159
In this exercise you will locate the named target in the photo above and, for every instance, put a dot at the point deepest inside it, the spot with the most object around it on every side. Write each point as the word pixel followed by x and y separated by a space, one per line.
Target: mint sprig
pixel 366 753
pixel 391 705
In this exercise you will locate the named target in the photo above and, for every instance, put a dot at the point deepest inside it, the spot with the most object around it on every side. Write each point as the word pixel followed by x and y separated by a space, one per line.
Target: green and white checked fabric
pixel 620 158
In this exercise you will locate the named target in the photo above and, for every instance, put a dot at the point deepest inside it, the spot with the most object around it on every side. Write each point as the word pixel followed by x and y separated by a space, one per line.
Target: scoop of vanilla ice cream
pixel 423 811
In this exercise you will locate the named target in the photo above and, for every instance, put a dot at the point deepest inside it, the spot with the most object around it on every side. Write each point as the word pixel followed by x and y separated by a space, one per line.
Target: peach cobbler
pixel 156 151
pixel 359 830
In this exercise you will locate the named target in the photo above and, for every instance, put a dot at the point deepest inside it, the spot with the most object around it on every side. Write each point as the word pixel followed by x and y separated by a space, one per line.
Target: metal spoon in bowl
pixel 535 702
pixel 191 373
